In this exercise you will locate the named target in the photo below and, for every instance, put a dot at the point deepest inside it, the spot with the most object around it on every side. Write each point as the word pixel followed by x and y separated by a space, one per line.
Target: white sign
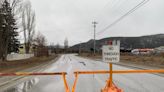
pixel 111 53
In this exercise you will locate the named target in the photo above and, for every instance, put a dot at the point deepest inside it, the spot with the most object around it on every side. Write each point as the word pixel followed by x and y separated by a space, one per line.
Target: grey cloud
pixel 58 19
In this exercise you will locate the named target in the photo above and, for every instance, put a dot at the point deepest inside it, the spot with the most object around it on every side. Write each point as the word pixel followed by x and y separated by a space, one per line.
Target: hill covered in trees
pixel 149 41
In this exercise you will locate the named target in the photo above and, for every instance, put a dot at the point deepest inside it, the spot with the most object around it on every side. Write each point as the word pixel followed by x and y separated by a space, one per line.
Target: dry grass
pixel 152 60
pixel 17 65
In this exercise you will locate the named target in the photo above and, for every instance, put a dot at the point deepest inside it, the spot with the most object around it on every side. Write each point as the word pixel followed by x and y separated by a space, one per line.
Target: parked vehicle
pixel 144 51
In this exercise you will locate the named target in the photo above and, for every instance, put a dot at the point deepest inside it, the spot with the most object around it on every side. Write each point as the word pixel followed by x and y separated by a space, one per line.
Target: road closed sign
pixel 111 53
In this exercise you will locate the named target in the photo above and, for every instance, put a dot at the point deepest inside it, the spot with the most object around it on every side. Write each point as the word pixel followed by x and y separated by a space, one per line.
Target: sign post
pixel 111 74
pixel 111 54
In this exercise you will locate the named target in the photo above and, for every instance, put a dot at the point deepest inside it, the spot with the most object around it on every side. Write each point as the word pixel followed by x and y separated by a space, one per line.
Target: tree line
pixel 17 16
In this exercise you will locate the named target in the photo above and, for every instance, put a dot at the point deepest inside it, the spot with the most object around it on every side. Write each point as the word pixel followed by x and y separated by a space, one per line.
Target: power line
pixel 123 16
pixel 126 14
pixel 114 5
pixel 111 5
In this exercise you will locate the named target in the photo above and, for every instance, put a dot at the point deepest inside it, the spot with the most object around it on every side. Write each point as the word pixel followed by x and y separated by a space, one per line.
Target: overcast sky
pixel 72 19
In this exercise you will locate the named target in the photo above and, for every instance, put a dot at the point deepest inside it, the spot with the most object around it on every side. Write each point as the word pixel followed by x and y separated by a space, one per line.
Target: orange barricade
pixel 110 86
pixel 31 74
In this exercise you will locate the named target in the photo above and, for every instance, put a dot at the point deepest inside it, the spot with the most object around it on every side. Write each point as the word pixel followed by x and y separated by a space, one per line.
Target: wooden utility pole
pixel 94 41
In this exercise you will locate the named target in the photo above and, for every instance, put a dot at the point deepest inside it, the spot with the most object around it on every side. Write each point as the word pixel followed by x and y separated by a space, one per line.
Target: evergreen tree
pixel 1 33
pixel 8 28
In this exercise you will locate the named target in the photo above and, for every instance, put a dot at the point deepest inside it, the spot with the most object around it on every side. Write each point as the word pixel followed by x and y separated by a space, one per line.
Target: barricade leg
pixel 74 85
pixel 65 83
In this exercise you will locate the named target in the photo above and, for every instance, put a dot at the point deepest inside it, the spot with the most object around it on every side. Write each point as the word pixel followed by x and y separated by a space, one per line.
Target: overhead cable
pixel 123 16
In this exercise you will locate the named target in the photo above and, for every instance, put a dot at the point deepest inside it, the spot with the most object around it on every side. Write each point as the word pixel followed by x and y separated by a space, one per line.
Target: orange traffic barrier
pixel 28 74
pixel 120 71
pixel 74 85
pixel 34 74
pixel 110 86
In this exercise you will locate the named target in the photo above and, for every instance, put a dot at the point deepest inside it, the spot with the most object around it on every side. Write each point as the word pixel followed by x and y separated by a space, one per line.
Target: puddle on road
pixel 23 87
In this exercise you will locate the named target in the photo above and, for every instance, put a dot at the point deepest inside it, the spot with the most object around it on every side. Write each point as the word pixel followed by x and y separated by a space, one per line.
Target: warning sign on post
pixel 111 53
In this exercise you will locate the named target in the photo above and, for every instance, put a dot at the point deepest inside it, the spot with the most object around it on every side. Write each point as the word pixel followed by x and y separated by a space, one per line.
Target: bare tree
pixel 40 40
pixel 15 5
pixel 40 48
pixel 28 24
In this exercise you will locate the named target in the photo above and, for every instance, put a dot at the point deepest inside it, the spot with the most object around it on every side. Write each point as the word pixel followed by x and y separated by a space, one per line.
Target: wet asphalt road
pixel 90 83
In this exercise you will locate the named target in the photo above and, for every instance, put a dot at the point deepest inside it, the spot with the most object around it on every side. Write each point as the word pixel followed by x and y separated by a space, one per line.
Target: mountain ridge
pixel 146 41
